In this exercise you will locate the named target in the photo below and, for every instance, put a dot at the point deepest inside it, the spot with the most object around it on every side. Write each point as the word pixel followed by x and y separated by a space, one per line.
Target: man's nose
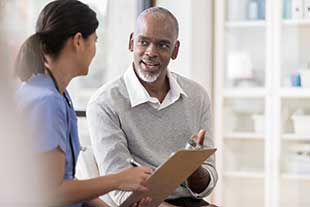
pixel 151 51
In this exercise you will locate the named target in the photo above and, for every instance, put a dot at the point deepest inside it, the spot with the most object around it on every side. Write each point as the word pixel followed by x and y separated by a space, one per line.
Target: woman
pixel 62 48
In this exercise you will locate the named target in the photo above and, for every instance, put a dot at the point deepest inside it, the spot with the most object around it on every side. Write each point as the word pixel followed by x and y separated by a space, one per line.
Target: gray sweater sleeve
pixel 109 143
pixel 206 123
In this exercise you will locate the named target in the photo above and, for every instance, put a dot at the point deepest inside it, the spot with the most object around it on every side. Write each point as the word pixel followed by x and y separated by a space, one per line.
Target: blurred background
pixel 253 58
pixel 21 176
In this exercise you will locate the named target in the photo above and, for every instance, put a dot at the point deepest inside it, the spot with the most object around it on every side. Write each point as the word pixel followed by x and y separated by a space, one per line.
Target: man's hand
pixel 200 179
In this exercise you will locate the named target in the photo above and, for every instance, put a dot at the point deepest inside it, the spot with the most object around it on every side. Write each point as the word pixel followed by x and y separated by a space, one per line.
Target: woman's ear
pixel 77 41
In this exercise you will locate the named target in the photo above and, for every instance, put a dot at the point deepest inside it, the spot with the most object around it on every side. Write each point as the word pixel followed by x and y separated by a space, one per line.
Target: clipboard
pixel 168 176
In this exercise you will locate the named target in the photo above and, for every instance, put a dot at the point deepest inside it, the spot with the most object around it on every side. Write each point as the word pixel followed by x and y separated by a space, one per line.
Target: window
pixel 116 22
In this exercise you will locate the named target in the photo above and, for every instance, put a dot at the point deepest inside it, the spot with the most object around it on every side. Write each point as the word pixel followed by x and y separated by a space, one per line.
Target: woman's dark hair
pixel 58 21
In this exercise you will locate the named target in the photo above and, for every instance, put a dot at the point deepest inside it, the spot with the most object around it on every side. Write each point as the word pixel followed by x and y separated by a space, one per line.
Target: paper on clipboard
pixel 167 177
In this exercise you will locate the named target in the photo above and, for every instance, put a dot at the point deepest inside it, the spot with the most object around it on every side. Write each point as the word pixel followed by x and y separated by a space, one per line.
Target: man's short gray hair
pixel 160 12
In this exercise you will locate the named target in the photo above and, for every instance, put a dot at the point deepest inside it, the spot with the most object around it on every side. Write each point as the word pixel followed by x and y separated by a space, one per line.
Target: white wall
pixel 196 30
pixel 116 36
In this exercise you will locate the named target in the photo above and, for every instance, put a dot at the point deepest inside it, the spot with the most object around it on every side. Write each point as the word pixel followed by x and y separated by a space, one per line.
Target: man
pixel 150 112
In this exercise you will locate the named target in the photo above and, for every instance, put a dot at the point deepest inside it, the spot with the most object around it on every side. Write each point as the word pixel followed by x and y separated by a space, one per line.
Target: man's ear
pixel 130 45
pixel 77 41
pixel 175 50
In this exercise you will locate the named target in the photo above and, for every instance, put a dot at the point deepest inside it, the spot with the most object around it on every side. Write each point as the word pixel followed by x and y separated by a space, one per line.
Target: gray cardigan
pixel 145 134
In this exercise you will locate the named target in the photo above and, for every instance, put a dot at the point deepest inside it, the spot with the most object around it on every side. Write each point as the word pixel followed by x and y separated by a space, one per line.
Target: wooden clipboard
pixel 168 176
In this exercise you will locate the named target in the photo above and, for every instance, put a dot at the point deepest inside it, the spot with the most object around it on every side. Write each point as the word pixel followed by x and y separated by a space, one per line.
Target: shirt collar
pixel 139 95
pixel 48 81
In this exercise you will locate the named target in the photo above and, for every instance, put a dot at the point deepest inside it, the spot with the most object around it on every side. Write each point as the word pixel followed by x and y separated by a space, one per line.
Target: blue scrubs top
pixel 51 119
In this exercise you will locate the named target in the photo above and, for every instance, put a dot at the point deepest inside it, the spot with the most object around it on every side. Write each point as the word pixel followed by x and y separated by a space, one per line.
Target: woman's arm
pixel 66 192
pixel 99 203
pixel 96 203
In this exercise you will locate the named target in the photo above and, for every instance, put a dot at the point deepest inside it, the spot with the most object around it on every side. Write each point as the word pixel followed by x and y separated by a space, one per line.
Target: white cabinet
pixel 262 103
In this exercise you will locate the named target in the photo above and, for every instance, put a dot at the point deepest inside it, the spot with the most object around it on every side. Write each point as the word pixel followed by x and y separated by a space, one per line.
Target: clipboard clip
pixel 191 144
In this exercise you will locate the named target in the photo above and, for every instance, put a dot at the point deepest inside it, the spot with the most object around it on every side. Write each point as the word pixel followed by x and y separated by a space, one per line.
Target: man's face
pixel 153 44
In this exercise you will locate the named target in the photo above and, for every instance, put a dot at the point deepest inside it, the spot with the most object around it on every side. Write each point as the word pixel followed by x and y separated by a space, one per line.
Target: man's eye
pixel 143 43
pixel 163 46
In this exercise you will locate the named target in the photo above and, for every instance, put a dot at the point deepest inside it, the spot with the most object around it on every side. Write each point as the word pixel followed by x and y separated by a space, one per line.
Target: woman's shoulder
pixel 34 93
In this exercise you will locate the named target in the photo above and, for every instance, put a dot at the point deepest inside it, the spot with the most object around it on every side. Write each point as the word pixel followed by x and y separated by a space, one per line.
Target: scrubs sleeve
pixel 49 124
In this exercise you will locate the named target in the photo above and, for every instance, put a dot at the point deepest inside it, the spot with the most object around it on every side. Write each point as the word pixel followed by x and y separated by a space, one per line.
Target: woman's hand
pixel 142 203
pixel 133 179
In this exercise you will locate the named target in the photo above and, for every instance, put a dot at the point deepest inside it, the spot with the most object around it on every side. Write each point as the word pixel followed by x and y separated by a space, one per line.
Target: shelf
pixel 296 22
pixel 295 93
pixel 291 176
pixel 244 174
pixel 245 24
pixel 244 93
pixel 295 137
pixel 277 49
pixel 243 136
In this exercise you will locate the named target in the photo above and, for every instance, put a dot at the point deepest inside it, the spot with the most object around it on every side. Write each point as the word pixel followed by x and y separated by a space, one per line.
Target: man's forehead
pixel 156 28
pixel 154 38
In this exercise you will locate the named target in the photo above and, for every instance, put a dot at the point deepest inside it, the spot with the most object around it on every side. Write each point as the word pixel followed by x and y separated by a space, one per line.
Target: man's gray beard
pixel 148 77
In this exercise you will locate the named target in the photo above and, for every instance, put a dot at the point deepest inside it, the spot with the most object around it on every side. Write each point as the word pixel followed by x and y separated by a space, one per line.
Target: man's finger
pixel 201 136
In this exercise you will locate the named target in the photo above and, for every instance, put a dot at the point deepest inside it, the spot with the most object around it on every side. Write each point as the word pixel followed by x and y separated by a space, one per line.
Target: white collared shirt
pixel 139 95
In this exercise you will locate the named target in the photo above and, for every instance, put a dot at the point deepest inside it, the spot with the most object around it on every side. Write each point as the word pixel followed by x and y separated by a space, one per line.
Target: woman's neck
pixel 61 73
